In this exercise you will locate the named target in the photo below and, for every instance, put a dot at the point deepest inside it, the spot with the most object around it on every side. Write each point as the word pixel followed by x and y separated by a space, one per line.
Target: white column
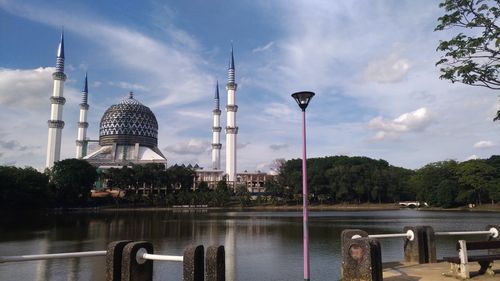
pixel 81 146
pixel 216 145
pixel 55 123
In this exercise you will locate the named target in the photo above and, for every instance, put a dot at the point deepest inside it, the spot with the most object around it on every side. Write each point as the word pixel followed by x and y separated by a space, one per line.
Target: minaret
pixel 81 143
pixel 57 101
pixel 231 128
pixel 216 128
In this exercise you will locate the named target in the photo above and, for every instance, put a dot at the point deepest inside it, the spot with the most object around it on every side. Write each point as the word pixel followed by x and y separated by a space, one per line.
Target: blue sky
pixel 370 63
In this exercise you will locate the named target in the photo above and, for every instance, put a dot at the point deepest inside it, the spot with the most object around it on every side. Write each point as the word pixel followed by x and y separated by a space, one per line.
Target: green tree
pixel 72 179
pixel 181 177
pixel 475 178
pixel 473 55
pixel 24 188
pixel 428 181
pixel 243 195
pixel 222 194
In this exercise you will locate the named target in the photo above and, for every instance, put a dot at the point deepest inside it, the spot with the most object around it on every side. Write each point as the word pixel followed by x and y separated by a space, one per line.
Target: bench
pixel 460 265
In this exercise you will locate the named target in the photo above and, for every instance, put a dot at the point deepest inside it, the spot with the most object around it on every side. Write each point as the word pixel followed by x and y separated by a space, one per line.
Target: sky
pixel 370 63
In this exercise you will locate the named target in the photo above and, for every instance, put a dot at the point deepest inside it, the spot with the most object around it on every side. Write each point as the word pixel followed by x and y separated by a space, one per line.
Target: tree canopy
pixel 472 56
pixel 73 180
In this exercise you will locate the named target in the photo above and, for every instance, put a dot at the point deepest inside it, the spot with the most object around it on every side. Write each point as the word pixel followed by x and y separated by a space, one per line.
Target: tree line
pixel 340 179
pixel 331 180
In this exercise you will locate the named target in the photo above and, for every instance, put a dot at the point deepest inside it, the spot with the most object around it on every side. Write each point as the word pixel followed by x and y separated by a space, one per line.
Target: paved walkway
pixel 431 272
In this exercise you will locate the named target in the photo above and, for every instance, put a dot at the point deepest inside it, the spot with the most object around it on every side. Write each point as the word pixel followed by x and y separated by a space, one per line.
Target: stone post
pixel 430 242
pixel 114 260
pixel 361 257
pixel 134 269
pixel 215 264
pixel 193 264
pixel 416 250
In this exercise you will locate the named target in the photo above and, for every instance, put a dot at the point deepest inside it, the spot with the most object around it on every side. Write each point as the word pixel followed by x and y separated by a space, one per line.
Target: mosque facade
pixel 128 133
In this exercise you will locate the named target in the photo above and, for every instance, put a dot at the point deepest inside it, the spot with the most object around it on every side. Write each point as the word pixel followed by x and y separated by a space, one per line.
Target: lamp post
pixel 303 99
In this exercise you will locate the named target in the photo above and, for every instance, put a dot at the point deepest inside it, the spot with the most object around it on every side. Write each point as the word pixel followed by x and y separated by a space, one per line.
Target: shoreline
pixel 317 208
pixel 281 208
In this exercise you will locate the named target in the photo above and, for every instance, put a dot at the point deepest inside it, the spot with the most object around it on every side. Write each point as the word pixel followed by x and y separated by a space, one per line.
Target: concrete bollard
pixel 361 257
pixel 133 268
pixel 414 250
pixel 430 244
pixel 114 260
pixel 215 264
pixel 193 264
pixel 422 248
pixel 347 234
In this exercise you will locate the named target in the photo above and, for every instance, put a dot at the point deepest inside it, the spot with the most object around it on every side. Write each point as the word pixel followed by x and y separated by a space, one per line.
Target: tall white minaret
pixel 216 128
pixel 231 128
pixel 81 143
pixel 57 101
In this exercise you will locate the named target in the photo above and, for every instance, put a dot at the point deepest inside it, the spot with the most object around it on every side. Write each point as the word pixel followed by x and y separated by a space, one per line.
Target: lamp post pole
pixel 302 99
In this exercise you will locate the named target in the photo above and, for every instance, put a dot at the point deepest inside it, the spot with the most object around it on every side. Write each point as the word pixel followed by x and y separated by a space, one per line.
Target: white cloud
pixel 22 88
pixel 484 144
pixel 387 70
pixel 278 110
pixel 193 114
pixel 173 68
pixel 277 147
pixel 128 86
pixel 193 146
pixel 408 122
pixel 472 157
pixel 263 48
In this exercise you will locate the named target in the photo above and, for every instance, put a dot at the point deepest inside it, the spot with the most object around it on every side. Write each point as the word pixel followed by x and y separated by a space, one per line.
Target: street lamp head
pixel 303 98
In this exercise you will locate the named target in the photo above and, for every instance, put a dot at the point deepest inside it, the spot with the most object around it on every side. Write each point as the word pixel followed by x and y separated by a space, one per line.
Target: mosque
pixel 128 133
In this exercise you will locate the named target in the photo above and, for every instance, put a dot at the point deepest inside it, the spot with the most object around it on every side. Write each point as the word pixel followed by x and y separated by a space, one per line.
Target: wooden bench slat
pixel 482 245
pixel 484 258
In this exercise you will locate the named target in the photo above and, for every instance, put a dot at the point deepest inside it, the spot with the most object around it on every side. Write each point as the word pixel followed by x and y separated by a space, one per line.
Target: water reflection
pixel 259 245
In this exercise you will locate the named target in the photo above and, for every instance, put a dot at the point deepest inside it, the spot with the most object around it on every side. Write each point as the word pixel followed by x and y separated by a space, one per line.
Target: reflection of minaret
pixel 42 265
pixel 231 128
pixel 230 248
pixel 57 101
pixel 216 145
pixel 81 144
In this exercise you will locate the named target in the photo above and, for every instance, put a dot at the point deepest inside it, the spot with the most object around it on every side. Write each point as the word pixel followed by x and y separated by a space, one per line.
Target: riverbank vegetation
pixel 333 180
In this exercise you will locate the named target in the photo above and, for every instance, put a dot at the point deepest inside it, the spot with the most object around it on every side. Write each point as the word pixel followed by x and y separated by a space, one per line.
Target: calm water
pixel 259 245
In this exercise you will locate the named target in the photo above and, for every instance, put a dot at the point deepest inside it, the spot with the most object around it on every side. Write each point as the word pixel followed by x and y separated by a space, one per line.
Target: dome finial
pixel 130 95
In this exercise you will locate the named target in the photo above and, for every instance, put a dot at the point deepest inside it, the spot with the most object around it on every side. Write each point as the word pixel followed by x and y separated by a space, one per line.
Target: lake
pixel 260 245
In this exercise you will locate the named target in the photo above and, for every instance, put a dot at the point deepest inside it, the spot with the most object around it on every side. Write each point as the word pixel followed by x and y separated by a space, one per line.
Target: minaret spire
pixel 231 70
pixel 231 128
pixel 81 141
pixel 216 129
pixel 57 101
pixel 60 55
pixel 216 98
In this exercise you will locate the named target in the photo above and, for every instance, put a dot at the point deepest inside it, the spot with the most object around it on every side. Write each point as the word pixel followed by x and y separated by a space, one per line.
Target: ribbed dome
pixel 128 122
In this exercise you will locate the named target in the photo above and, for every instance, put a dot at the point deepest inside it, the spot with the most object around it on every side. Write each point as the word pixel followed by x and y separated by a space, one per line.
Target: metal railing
pixel 51 256
pixel 141 257
pixel 409 235
pixel 493 232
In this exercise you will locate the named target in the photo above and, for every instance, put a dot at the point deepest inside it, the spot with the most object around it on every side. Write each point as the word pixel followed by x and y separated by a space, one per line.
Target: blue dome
pixel 127 123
